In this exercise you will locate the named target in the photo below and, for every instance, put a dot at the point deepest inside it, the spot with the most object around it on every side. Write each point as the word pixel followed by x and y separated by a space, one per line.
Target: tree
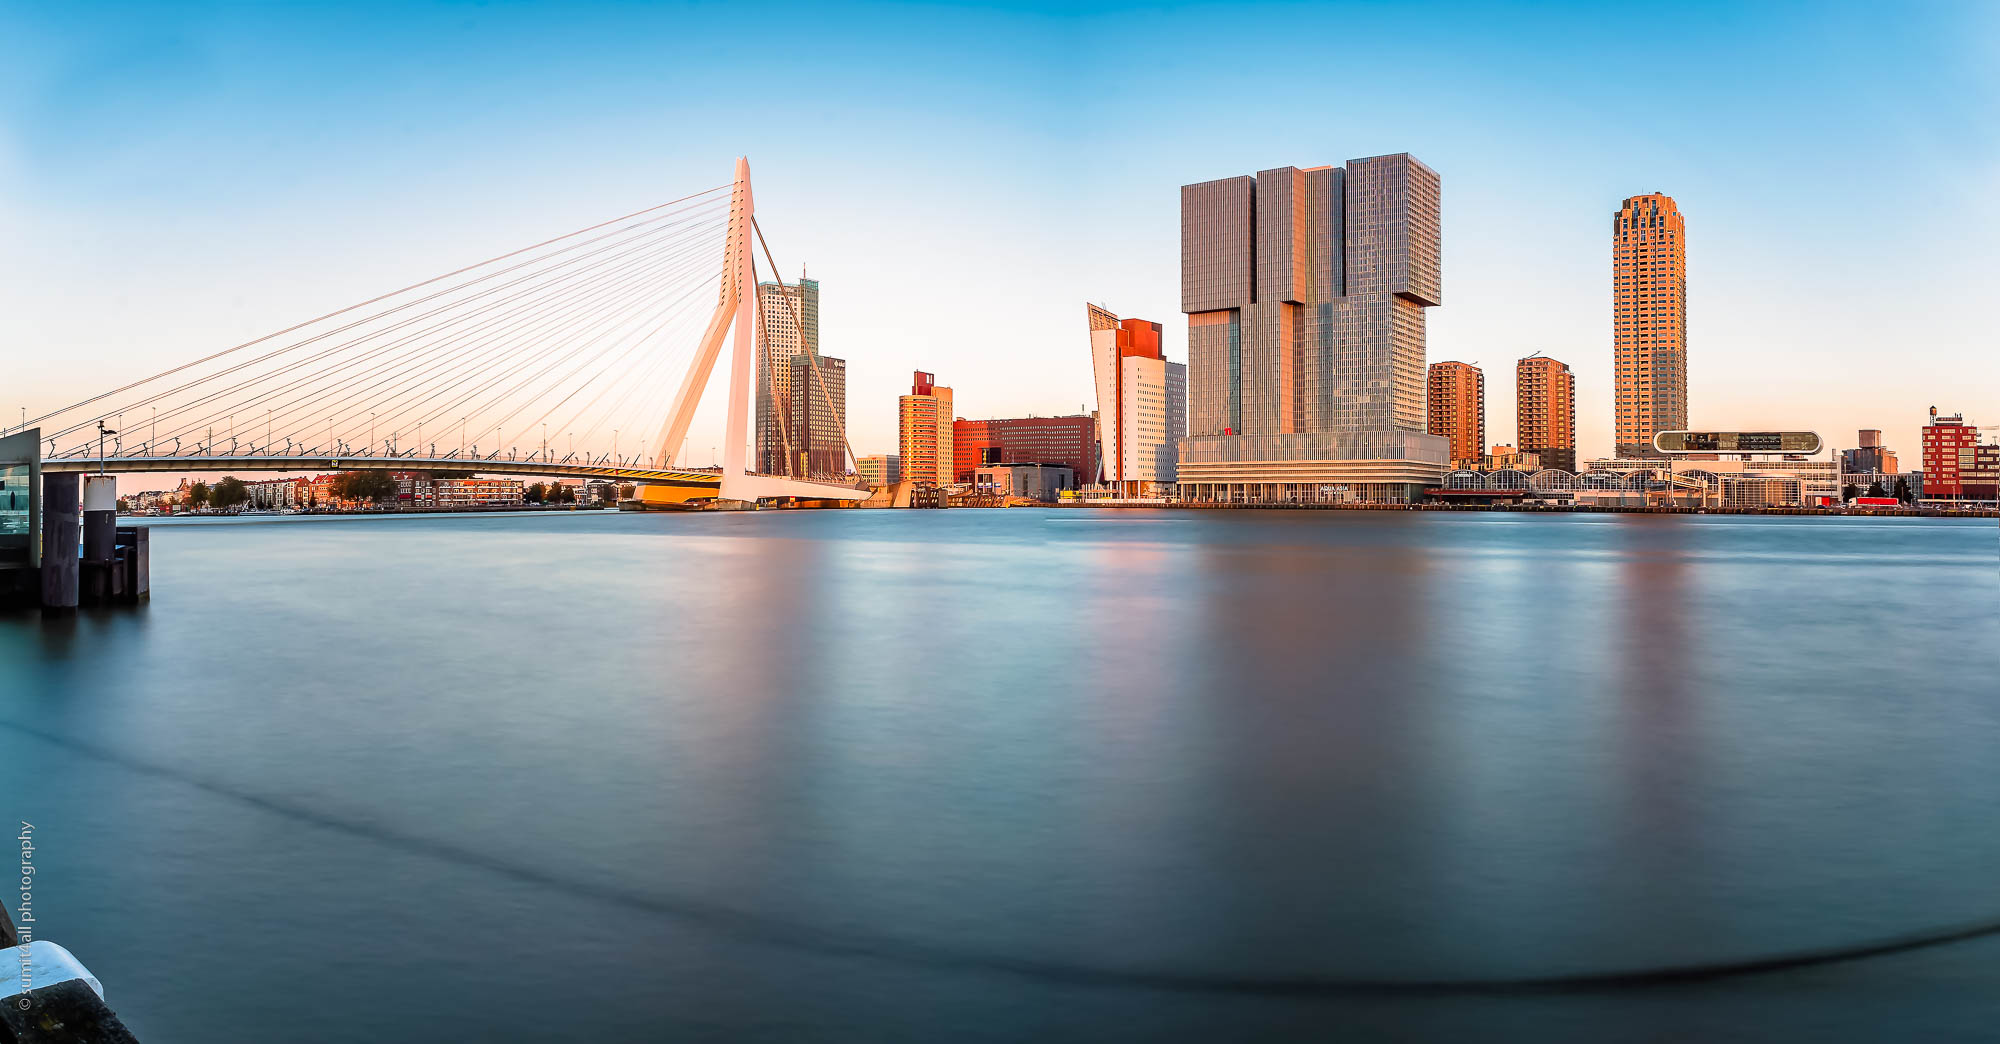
pixel 1903 491
pixel 228 492
pixel 198 495
pixel 377 486
pixel 1848 493
pixel 627 491
pixel 537 493
pixel 564 494
pixel 124 505
pixel 1875 489
pixel 607 493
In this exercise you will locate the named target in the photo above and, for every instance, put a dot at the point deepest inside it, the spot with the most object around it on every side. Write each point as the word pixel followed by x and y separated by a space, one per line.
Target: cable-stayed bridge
pixel 585 355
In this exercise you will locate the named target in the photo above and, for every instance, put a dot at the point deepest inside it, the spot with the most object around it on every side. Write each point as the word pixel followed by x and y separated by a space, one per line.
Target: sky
pixel 176 178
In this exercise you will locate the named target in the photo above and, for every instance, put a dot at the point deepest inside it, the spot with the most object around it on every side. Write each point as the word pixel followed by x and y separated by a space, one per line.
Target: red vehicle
pixel 1876 502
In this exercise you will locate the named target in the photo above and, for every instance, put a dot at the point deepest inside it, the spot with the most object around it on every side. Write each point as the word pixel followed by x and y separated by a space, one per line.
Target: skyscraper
pixel 779 340
pixel 1648 322
pixel 1305 293
pixel 923 429
pixel 1141 404
pixel 818 408
pixel 1458 409
pixel 1545 411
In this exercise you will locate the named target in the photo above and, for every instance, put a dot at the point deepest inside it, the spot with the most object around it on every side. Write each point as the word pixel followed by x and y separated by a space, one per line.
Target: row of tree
pixel 1902 492
pixel 379 486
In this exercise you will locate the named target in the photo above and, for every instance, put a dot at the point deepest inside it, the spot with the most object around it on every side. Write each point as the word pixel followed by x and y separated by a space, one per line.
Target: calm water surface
pixel 1018 774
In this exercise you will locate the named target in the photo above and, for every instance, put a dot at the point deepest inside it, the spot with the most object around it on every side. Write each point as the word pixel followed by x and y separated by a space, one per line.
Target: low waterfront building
pixel 880 469
pixel 1045 482
pixel 422 491
pixel 1376 467
pixel 1745 482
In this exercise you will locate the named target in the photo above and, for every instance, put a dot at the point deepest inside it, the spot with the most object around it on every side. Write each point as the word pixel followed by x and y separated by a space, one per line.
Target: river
pixel 1008 775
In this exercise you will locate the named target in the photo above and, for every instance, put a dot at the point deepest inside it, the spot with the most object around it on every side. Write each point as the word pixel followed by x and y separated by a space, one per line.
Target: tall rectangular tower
pixel 1648 322
pixel 780 339
pixel 1141 404
pixel 923 428
pixel 1458 408
pixel 818 404
pixel 1305 292
pixel 1545 411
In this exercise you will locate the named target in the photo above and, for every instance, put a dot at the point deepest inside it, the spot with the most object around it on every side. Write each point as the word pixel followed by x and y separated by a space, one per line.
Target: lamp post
pixel 371 431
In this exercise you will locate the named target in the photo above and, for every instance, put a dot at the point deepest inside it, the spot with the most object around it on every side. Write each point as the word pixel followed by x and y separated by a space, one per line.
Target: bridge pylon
pixel 736 306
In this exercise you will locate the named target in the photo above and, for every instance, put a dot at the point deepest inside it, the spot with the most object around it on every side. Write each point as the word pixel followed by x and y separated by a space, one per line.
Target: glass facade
pixel 1305 291
pixel 818 438
pixel 780 339
pixel 20 504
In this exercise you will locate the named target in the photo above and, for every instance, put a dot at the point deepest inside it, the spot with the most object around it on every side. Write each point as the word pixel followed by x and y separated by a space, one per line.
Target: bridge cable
pixel 364 304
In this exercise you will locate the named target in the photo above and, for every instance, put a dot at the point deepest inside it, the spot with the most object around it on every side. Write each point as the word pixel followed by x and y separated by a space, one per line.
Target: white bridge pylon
pixel 737 304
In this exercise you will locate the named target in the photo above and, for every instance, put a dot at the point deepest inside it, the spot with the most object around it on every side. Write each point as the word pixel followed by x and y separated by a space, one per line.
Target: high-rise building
pixel 1956 465
pixel 880 469
pixel 1141 404
pixel 1070 441
pixel 1545 411
pixel 818 407
pixel 787 326
pixel 1305 293
pixel 1648 322
pixel 1458 408
pixel 923 427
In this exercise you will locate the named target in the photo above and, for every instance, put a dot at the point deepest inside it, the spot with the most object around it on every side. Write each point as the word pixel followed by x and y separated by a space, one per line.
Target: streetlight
pixel 614 445
pixel 371 431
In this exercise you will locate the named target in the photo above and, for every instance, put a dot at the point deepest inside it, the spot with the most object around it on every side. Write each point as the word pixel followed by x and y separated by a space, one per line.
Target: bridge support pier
pixel 61 539
pixel 100 540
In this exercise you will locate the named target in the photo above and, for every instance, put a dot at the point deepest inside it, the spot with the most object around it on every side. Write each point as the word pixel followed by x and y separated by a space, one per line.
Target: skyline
pixel 159 176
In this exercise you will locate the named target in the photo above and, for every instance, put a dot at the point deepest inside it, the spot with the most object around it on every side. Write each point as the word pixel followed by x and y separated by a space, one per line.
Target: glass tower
pixel 1305 292
pixel 780 339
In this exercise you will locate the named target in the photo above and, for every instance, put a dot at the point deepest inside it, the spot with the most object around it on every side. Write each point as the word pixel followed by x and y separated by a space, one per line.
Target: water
pixel 1019 774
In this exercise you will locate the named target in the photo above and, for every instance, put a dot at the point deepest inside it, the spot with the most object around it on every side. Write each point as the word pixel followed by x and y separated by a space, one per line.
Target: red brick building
pixel 1070 441
pixel 1956 466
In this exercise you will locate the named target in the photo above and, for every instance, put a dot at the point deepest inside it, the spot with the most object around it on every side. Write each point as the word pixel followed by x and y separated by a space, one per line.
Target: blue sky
pixel 177 178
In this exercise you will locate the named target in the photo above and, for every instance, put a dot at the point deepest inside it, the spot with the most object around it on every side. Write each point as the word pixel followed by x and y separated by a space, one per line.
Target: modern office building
pixel 1648 322
pixel 1457 398
pixel 787 325
pixel 818 411
pixel 1141 404
pixel 1070 441
pixel 1545 411
pixel 1305 293
pixel 923 429
pixel 880 469
pixel 1956 465
pixel 1870 457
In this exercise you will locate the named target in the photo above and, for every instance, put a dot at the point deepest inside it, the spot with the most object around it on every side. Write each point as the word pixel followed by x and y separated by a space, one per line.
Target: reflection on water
pixel 879 773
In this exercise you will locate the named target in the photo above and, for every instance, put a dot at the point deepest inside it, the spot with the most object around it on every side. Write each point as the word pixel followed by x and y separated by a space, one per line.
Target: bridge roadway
pixel 479 465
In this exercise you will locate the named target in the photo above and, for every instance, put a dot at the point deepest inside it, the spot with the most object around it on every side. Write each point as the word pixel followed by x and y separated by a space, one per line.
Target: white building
pixel 1141 405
